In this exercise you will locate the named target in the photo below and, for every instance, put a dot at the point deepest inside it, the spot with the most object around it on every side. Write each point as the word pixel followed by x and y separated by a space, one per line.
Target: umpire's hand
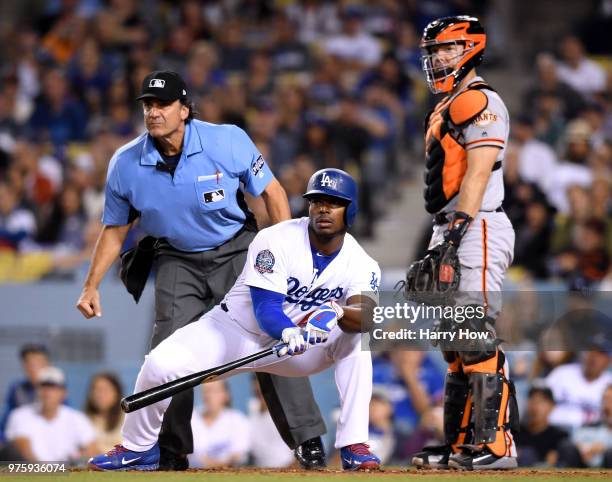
pixel 89 303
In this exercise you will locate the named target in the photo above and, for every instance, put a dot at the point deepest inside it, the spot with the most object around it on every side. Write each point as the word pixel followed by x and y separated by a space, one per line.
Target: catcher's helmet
pixel 461 30
pixel 335 183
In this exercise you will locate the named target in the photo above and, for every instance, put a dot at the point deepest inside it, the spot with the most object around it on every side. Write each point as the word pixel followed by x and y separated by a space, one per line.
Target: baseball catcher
pixel 471 247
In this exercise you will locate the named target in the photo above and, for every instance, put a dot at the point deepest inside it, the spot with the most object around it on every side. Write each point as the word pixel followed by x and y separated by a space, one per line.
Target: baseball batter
pixel 302 277
pixel 465 140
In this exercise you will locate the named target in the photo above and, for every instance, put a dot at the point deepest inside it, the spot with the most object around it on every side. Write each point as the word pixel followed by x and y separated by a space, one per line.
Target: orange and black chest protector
pixel 445 157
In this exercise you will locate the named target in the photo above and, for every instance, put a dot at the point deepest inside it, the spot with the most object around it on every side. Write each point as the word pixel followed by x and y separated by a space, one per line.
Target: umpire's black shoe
pixel 432 457
pixel 171 461
pixel 311 454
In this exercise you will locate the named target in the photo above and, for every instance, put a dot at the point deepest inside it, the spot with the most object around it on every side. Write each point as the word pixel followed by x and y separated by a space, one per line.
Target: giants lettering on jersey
pixel 297 294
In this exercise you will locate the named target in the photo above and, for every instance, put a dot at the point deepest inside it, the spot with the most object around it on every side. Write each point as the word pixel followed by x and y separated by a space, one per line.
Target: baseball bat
pixel 155 394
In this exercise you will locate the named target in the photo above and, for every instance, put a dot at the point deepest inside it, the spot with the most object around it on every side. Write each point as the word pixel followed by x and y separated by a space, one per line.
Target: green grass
pixel 269 476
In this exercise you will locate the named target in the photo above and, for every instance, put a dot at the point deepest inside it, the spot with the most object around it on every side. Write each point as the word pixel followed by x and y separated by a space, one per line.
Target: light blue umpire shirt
pixel 198 208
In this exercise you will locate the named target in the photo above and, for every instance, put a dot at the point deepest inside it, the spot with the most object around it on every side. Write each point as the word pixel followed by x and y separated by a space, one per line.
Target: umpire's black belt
pixel 443 217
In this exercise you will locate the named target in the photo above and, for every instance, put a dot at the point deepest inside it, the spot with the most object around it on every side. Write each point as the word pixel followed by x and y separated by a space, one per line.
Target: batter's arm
pixel 106 251
pixel 480 161
pixel 276 201
pixel 358 314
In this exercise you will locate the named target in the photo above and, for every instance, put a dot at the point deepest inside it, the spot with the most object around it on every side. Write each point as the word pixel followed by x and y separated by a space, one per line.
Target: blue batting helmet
pixel 335 183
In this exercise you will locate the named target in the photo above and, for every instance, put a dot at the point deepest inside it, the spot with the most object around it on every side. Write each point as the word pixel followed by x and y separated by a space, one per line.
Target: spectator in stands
pixel 285 143
pixel 601 160
pixel 538 442
pixel 103 409
pixel 550 355
pixel 574 169
pixel 274 452
pixel 352 133
pixel 548 83
pixel 407 49
pixel 89 76
pixel 536 159
pixel 287 52
pixel 8 125
pixel 38 176
pixel 591 445
pixel 518 193
pixel 601 201
pixel 314 19
pixel 325 88
pixel 579 72
pixel 65 226
pixel 177 50
pixel 221 435
pixel 578 389
pixel 315 141
pixel 17 223
pixel 412 382
pixel 34 358
pixel 594 113
pixel 203 77
pixel 532 244
pixel 587 259
pixel 580 209
pixel 120 25
pixel 192 16
pixel 47 430
pixel 382 436
pixel 430 432
pixel 354 48
pixel 63 32
pixel 549 121
pixel 233 53
pixel 57 117
pixel 260 81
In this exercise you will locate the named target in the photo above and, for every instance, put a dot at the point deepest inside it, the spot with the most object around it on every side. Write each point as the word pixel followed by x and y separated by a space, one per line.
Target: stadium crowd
pixel 314 83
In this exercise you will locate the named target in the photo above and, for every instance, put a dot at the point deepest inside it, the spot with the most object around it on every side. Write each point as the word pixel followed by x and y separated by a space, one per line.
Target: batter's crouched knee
pixel 159 368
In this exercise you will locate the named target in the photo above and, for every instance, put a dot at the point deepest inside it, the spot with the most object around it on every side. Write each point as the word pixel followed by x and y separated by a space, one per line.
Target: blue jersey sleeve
pixel 116 206
pixel 268 308
pixel 253 169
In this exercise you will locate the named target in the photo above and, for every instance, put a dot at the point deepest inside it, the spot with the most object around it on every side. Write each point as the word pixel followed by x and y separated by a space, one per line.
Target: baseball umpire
pixel 472 244
pixel 182 179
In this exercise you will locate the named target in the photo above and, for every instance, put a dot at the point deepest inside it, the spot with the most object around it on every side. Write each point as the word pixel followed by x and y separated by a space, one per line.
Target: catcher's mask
pixel 463 31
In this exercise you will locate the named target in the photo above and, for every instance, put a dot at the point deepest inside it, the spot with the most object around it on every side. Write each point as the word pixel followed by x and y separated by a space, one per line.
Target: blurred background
pixel 315 84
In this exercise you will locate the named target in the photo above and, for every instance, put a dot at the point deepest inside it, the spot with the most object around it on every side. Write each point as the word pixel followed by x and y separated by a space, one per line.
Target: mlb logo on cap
pixel 159 83
pixel 164 85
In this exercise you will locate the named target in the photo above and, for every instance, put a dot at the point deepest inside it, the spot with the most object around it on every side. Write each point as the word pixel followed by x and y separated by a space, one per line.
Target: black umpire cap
pixel 163 85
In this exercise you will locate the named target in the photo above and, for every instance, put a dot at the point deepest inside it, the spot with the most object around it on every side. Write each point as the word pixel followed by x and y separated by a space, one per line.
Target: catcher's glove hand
pixel 434 279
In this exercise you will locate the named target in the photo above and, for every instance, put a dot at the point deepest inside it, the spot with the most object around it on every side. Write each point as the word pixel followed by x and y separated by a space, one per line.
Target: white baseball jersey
pixel 280 259
pixel 58 439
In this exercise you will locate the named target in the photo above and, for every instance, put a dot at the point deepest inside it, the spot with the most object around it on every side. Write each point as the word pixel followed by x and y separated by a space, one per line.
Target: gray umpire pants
pixel 188 285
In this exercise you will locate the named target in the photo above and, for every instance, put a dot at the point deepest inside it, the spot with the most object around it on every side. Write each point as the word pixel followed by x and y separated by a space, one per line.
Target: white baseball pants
pixel 215 339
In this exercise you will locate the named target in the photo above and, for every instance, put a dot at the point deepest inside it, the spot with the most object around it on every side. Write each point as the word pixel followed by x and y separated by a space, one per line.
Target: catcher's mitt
pixel 435 278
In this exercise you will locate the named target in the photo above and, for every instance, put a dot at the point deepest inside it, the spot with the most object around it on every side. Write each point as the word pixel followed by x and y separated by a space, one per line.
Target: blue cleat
pixel 358 457
pixel 120 458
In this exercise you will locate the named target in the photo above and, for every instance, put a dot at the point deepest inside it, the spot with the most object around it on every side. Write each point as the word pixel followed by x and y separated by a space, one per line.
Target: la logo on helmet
pixel 327 181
